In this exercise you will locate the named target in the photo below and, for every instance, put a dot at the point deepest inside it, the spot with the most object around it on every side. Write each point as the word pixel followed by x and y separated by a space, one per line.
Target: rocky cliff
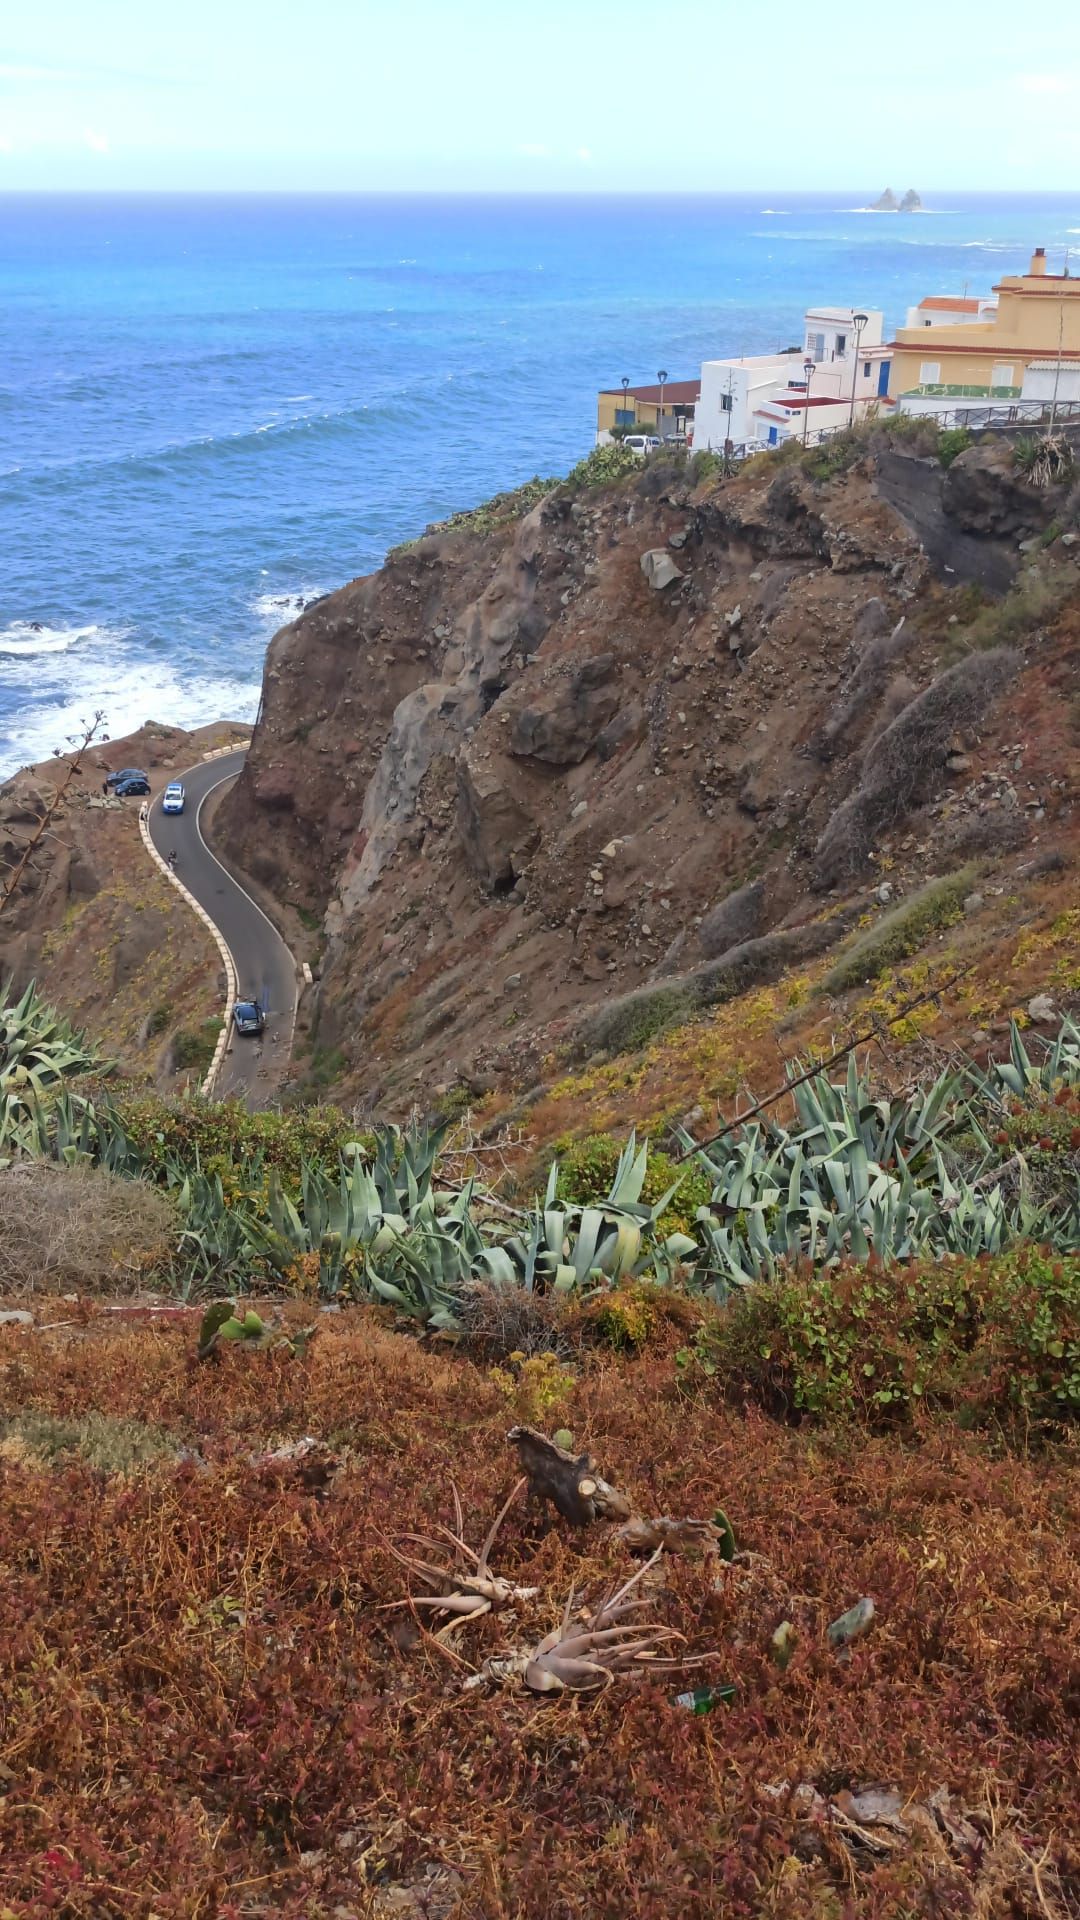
pixel 529 771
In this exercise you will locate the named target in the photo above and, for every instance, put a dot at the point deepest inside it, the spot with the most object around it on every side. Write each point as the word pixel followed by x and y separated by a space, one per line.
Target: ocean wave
pixel 402 406
pixel 281 608
pixel 24 639
pixel 128 691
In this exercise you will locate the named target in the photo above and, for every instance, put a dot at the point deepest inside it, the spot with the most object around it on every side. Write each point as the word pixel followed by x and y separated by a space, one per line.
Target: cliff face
pixel 519 773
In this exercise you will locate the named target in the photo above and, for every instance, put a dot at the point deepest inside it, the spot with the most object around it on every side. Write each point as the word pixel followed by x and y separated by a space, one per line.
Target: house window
pixel 930 373
pixel 725 403
pixel 625 417
pixel 866 369
pixel 815 346
pixel 1002 375
pixel 841 345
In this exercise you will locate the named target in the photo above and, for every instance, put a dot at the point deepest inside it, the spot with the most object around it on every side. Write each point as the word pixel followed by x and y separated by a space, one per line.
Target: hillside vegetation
pixel 620 1460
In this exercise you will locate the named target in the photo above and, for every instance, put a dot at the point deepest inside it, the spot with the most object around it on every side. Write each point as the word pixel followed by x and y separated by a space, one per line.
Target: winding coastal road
pixel 265 968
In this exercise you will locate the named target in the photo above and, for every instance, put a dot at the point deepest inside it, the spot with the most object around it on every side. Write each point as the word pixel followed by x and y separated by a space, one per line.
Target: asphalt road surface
pixel 252 1068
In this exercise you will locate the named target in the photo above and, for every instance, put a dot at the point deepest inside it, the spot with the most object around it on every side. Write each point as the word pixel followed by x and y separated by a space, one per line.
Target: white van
pixel 642 443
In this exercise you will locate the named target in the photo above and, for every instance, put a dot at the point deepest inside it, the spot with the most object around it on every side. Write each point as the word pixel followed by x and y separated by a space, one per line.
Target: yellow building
pixel 1037 320
pixel 667 411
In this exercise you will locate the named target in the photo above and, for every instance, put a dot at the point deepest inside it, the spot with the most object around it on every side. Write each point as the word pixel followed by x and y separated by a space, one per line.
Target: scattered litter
pixel 852 1624
pixel 704 1699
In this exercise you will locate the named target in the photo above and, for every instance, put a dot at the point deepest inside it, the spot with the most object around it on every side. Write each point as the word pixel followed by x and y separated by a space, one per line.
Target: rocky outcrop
pixel 522 780
pixel 985 493
pixel 497 835
pixel 570 721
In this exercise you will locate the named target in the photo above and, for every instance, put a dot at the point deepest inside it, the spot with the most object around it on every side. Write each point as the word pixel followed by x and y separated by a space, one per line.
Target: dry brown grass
pixel 79 1229
pixel 211 1715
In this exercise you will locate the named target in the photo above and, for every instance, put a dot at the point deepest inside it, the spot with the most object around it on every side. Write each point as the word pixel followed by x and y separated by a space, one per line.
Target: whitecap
pixel 778 211
pixel 127 691
pixel 25 638
pixel 280 608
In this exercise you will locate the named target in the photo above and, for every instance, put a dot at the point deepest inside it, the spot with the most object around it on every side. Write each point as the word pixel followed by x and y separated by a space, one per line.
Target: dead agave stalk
pixel 473 1589
pixel 603 1648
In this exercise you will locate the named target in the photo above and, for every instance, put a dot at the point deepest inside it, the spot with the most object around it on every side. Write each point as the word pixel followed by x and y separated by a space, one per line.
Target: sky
pixel 421 95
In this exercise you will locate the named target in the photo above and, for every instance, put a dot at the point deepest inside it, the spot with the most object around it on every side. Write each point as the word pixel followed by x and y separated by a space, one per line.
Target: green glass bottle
pixel 704 1699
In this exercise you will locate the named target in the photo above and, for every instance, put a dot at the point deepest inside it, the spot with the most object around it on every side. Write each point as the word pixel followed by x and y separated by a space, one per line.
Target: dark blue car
pixel 248 1017
pixel 136 783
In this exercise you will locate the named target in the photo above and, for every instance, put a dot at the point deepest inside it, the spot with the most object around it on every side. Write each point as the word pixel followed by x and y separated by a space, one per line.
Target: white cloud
pixel 585 154
pixel 532 150
pixel 97 142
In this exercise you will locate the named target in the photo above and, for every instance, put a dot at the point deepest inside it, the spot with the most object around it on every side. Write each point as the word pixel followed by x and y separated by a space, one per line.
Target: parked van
pixel 642 443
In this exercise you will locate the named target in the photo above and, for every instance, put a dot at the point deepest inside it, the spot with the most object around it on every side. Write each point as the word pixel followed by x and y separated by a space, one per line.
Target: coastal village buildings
pixel 668 412
pixel 763 399
pixel 1018 348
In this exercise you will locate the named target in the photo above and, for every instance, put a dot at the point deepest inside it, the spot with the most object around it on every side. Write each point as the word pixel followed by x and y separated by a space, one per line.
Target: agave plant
pixel 39 1051
pixel 1019 1075
pixel 865 1175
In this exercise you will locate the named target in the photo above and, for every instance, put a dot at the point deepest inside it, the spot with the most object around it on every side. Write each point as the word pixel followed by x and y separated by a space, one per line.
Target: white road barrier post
pixel 219 939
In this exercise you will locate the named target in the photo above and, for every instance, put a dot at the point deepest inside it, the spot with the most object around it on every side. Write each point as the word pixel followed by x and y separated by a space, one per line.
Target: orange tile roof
pixel 945 303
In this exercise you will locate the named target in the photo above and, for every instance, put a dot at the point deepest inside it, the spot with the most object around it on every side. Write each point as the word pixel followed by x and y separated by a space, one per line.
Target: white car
pixel 642 443
pixel 173 798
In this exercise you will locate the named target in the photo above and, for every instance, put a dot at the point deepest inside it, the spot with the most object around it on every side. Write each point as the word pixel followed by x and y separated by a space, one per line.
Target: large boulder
pixel 659 568
pixel 571 719
pixel 985 493
pixel 496 832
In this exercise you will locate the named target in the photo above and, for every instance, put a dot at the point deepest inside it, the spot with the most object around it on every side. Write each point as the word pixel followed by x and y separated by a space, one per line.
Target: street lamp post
pixel 808 370
pixel 662 377
pixel 858 321
pixel 624 383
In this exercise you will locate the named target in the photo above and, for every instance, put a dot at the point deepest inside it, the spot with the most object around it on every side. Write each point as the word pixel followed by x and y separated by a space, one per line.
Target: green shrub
pixel 194 1051
pixel 897 935
pixel 629 1023
pixel 587 1170
pixel 992 1340
pixel 952 441
pixel 1035 599
pixel 603 465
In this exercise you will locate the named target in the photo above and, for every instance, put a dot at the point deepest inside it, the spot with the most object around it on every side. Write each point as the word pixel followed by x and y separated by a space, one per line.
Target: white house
pixel 949 310
pixel 764 397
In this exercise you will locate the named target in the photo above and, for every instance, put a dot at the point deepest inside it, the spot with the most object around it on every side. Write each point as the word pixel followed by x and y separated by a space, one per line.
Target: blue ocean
pixel 215 407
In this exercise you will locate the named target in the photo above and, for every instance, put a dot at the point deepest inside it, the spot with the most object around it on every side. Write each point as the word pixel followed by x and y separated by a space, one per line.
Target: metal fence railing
pixel 997 414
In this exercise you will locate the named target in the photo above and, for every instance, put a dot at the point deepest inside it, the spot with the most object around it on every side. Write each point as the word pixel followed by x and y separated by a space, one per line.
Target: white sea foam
pixel 51 690
pixel 278 609
pixel 25 638
pixel 784 211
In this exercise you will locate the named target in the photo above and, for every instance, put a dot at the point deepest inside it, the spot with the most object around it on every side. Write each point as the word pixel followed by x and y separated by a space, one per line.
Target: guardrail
pixel 219 753
pixel 222 1047
pixel 995 416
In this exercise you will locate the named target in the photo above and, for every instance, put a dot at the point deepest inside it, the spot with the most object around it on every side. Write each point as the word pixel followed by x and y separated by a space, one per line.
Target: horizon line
pixel 516 193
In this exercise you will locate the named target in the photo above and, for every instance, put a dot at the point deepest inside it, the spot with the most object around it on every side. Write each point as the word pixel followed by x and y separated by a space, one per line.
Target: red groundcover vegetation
pixel 212 1707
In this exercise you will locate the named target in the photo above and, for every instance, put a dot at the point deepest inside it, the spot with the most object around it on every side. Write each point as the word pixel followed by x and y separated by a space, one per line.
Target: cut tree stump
pixel 570 1482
